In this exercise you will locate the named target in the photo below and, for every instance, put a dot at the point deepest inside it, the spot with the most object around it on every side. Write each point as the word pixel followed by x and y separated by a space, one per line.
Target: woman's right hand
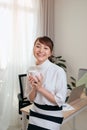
pixel 33 92
pixel 32 80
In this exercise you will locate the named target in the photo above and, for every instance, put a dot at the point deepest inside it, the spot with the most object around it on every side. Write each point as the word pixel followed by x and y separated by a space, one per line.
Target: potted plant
pixel 58 60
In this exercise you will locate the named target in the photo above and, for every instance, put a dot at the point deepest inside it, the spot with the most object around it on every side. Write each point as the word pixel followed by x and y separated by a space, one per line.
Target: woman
pixel 47 90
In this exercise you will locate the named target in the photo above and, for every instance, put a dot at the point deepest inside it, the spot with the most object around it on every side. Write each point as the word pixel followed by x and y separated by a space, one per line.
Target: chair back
pixel 22 84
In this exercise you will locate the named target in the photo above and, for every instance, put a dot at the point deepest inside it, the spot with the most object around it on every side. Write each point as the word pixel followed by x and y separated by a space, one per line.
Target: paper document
pixel 67 107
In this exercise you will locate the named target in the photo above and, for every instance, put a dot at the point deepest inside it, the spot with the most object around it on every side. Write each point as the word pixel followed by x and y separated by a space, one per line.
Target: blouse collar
pixel 43 65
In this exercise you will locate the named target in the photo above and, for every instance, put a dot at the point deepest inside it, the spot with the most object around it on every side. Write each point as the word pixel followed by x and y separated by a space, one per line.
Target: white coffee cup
pixel 34 73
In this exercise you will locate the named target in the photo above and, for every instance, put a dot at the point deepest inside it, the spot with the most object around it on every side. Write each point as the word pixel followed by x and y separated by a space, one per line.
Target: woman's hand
pixel 37 86
pixel 33 92
pixel 36 81
pixel 31 81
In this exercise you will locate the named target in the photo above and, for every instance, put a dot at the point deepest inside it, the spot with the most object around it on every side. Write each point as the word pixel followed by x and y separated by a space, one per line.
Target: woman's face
pixel 41 52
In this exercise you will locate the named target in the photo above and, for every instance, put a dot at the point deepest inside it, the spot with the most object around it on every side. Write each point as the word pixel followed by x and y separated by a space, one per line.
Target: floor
pixel 81 123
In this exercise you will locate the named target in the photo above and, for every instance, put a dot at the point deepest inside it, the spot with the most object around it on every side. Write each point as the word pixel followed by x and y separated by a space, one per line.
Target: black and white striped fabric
pixel 44 117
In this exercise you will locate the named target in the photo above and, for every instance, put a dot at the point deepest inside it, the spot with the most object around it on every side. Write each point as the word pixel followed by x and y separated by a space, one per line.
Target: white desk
pixel 79 105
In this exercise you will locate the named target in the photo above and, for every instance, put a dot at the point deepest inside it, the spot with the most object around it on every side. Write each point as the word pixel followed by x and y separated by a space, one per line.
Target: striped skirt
pixel 44 117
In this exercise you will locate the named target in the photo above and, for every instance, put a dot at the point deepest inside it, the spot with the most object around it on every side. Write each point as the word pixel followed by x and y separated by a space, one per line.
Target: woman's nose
pixel 41 49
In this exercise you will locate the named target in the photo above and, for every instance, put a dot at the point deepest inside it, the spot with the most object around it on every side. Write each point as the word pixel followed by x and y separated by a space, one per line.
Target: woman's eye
pixel 38 46
pixel 46 48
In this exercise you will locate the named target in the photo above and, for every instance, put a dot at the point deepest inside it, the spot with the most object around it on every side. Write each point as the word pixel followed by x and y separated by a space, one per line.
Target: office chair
pixel 22 100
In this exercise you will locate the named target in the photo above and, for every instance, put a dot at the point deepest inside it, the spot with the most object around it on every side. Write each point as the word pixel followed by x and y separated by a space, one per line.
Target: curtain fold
pixel 17 34
pixel 46 20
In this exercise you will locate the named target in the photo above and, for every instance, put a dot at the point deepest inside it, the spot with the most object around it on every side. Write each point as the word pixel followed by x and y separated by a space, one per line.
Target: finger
pixel 34 84
pixel 41 76
pixel 37 79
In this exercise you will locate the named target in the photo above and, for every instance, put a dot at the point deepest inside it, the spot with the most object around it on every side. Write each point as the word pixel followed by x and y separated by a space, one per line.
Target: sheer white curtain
pixel 21 21
pixel 18 25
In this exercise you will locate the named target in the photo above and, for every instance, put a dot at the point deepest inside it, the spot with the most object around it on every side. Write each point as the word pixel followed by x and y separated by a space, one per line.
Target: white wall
pixel 71 33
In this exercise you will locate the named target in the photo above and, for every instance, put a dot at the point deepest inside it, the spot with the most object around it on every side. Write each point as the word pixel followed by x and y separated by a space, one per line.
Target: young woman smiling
pixel 46 89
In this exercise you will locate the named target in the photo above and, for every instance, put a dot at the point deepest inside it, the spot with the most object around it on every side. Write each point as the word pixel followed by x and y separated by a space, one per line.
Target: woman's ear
pixel 51 56
pixel 52 52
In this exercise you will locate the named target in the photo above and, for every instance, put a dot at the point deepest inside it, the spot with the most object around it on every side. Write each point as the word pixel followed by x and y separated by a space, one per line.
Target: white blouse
pixel 54 81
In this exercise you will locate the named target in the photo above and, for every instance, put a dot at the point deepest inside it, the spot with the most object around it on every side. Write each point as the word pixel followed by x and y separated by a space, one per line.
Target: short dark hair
pixel 46 41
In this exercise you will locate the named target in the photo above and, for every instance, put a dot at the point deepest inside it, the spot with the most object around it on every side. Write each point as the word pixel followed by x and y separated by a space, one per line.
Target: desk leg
pixel 74 124
pixel 24 123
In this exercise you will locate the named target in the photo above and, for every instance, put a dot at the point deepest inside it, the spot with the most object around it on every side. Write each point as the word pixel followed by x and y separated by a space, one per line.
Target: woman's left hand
pixel 38 82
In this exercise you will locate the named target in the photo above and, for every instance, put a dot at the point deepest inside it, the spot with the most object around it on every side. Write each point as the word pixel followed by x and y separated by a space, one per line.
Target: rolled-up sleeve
pixel 61 88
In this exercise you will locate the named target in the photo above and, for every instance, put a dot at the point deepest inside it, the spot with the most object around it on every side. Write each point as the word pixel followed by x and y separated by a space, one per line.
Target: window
pixel 17 28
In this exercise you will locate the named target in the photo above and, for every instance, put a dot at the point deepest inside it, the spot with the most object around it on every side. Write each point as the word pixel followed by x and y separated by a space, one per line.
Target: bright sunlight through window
pixel 16 23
